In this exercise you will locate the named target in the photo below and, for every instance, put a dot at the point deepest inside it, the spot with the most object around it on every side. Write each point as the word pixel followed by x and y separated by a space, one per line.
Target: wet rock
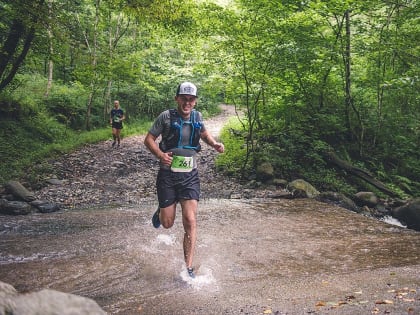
pixel 44 206
pixel 338 199
pixel 265 171
pixel 235 196
pixel 7 292
pixel 366 198
pixel 45 302
pixel 409 214
pixel 54 181
pixel 302 189
pixel 14 207
pixel 280 194
pixel 19 191
pixel 278 182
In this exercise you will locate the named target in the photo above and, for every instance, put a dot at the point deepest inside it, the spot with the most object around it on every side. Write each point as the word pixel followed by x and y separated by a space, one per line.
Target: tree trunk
pixel 94 64
pixel 51 51
pixel 347 69
pixel 330 157
pixel 9 49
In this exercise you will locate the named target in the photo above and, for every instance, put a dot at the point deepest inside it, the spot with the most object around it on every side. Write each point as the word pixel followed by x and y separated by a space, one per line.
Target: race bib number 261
pixel 182 163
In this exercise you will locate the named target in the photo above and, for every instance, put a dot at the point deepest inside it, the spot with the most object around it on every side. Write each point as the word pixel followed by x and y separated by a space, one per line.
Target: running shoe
pixel 191 272
pixel 155 218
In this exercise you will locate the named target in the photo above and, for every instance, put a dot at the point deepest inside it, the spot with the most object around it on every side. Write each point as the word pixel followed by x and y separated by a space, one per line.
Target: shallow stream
pixel 252 257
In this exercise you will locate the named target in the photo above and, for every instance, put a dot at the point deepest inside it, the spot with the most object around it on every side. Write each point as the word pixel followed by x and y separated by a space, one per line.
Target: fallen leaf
pixel 375 310
pixel 384 302
pixel 408 300
pixel 332 304
pixel 320 303
pixel 267 312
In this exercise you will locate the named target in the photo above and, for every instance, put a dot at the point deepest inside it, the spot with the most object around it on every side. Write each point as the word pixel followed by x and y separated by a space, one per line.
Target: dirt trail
pixel 97 174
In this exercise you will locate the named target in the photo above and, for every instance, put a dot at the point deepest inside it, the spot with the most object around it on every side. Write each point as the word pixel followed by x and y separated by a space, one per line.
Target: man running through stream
pixel 178 180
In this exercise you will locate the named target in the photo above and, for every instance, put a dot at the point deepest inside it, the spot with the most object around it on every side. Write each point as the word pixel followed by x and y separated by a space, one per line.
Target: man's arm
pixel 150 143
pixel 208 138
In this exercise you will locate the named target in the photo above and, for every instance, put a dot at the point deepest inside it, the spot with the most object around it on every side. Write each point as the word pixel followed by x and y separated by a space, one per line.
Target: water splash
pixel 203 277
pixel 166 239
pixel 393 221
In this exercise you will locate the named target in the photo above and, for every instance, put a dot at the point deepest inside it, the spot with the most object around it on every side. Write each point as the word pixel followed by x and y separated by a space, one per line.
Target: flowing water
pixel 252 257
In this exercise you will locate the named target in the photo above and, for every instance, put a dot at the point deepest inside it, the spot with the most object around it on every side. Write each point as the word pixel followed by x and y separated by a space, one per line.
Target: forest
pixel 329 90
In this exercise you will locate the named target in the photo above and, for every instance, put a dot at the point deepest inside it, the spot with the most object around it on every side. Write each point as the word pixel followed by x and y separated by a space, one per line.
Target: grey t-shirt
pixel 162 127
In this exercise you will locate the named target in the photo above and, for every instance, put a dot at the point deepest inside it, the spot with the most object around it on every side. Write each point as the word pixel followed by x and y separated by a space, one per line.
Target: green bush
pixel 68 105
pixel 233 160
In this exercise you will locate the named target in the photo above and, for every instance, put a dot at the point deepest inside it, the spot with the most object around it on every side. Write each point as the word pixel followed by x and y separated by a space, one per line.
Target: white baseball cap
pixel 186 88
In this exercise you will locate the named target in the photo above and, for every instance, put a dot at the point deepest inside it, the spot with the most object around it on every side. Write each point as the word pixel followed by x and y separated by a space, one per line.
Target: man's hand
pixel 166 158
pixel 219 147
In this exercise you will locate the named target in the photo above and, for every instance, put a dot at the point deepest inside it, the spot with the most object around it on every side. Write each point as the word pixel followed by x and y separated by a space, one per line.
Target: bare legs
pixel 116 135
pixel 189 220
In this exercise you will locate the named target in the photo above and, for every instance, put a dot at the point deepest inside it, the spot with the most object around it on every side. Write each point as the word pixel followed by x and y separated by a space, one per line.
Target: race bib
pixel 182 163
pixel 117 119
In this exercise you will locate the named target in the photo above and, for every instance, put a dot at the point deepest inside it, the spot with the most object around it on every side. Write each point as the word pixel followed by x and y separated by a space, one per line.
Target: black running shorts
pixel 174 186
pixel 117 125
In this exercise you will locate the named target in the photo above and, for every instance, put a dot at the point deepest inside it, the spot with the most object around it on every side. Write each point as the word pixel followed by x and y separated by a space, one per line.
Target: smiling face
pixel 186 104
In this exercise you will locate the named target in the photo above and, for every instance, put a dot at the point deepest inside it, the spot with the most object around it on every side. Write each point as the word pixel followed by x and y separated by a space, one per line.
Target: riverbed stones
pixel 45 206
pixel 14 207
pixel 45 302
pixel 366 198
pixel 338 199
pixel 409 214
pixel 15 199
pixel 265 171
pixel 18 190
pixel 302 189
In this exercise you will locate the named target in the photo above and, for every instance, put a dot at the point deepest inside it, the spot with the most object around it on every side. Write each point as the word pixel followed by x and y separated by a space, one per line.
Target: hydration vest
pixel 174 138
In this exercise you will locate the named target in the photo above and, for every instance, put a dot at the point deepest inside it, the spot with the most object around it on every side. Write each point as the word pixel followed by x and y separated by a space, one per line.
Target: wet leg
pixel 189 220
pixel 167 216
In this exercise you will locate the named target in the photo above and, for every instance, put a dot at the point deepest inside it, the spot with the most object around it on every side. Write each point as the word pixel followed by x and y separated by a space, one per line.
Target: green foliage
pixel 68 105
pixel 283 63
pixel 232 161
pixel 24 142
